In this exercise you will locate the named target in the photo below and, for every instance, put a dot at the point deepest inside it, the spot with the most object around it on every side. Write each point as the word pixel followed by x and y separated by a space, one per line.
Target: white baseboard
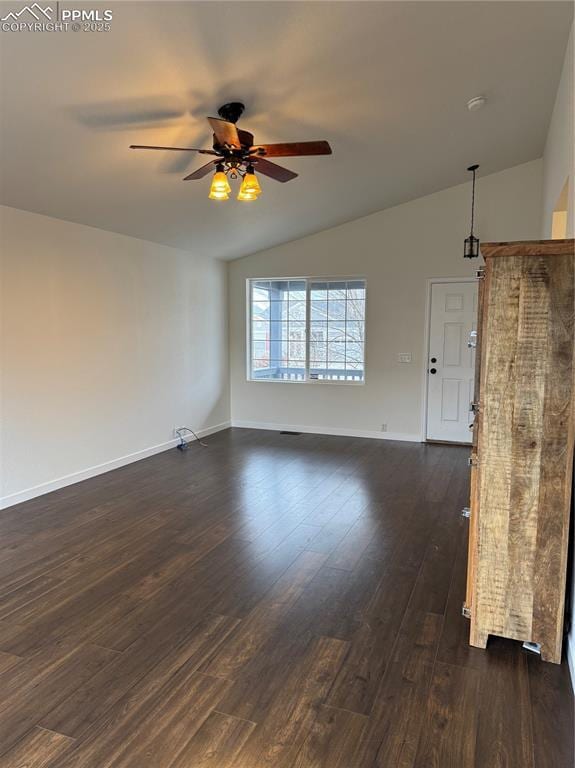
pixel 100 469
pixel 340 431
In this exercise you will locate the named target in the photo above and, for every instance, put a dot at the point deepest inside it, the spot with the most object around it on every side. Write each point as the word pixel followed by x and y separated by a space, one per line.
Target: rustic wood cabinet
pixel 522 455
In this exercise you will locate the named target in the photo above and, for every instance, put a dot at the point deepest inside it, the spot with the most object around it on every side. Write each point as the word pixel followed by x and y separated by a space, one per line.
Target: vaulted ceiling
pixel 386 83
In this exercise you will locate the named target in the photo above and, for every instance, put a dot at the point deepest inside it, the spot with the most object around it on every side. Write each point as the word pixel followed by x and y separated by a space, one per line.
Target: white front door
pixel 451 362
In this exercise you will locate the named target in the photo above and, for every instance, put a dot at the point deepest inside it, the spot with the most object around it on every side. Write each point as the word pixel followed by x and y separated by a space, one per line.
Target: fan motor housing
pixel 231 111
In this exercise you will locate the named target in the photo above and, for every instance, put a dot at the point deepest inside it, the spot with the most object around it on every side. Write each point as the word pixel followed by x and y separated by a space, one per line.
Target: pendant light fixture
pixel 250 188
pixel 471 244
pixel 220 189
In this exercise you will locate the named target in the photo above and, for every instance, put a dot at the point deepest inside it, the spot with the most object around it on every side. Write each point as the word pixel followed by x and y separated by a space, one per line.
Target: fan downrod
pixel 231 111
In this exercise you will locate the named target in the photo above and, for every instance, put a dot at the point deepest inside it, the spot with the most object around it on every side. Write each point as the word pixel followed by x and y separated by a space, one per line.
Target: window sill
pixel 330 382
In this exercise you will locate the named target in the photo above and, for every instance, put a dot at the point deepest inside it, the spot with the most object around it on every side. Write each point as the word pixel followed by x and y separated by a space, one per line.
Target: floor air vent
pixel 287 432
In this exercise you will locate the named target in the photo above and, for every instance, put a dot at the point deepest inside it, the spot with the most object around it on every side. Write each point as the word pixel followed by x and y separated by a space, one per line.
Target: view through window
pixel 307 329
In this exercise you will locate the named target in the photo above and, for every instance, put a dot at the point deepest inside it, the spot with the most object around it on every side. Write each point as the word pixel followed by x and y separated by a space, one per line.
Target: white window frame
pixel 308 279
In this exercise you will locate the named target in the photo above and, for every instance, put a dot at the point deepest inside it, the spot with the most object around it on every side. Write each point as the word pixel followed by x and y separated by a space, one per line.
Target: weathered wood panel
pixel 525 433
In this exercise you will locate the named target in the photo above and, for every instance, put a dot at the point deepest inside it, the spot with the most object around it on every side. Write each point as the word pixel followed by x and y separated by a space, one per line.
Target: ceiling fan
pixel 238 156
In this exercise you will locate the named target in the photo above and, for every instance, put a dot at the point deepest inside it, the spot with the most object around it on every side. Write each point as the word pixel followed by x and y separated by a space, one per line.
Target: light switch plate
pixel 404 357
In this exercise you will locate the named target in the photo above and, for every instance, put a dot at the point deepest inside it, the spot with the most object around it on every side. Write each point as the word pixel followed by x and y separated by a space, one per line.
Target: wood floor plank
pixel 397 717
pixel 38 749
pixel 106 738
pixel 504 732
pixel 7 661
pixel 262 621
pixel 450 729
pixel 291 714
pixel 550 689
pixel 23 709
pixel 216 744
pixel 208 609
pixel 332 740
pixel 358 681
pixel 161 736
pixel 157 652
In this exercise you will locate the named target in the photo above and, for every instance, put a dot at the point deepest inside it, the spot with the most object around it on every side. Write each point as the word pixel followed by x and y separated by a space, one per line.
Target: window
pixel 306 330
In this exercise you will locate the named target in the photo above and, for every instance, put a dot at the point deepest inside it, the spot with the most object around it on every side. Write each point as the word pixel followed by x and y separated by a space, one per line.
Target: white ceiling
pixel 386 83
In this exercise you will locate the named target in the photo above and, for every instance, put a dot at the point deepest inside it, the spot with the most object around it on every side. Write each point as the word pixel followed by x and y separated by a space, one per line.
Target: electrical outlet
pixel 384 427
pixel 404 357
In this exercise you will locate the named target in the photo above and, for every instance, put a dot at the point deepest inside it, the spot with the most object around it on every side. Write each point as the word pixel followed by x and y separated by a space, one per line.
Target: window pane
pixel 296 351
pixel 336 291
pixel 336 331
pixel 355 309
pixel 318 350
pixel 260 350
pixel 279 330
pixel 354 331
pixel 355 289
pixel 279 290
pixel 318 291
pixel 336 352
pixel 296 310
pixel 354 353
pixel 318 310
pixel 260 330
pixel 318 330
pixel 261 295
pixel 260 310
pixel 336 309
pixel 296 331
pixel 278 310
pixel 297 290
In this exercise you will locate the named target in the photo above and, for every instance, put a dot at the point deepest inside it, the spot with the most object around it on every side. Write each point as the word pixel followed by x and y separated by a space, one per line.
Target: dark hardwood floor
pixel 268 601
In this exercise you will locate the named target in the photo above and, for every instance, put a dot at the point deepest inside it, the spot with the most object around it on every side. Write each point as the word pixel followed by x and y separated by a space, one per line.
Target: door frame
pixel 430 282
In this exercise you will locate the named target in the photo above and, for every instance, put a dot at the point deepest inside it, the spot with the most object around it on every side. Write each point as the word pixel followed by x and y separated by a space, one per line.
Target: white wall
pixel 559 155
pixel 397 250
pixel 108 343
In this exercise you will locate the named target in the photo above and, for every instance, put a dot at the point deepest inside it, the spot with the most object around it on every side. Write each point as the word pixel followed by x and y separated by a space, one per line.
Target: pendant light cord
pixel 473 169
pixel 473 202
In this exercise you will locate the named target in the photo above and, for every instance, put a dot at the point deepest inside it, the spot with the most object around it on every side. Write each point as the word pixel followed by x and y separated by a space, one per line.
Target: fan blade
pixel 273 171
pixel 246 138
pixel 202 171
pixel 295 149
pixel 226 133
pixel 175 149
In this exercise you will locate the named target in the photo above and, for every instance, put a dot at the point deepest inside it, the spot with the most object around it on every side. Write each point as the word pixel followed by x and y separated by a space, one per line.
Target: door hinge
pixel 480 274
pixel 475 407
pixel 466 512
pixel 472 461
pixel 466 611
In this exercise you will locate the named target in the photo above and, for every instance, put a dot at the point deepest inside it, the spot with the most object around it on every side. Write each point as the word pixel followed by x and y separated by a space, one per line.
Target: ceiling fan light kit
pixel 250 188
pixel 220 188
pixel 238 156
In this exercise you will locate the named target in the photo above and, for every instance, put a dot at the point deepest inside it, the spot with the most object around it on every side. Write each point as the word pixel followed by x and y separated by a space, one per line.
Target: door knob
pixel 433 359
pixel 433 370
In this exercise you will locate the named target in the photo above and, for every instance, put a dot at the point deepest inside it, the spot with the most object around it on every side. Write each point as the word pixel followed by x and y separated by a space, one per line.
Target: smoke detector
pixel 476 103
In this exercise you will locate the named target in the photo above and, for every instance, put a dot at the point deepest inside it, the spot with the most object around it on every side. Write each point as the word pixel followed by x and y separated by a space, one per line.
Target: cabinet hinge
pixel 533 647
pixel 466 611
pixel 465 512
